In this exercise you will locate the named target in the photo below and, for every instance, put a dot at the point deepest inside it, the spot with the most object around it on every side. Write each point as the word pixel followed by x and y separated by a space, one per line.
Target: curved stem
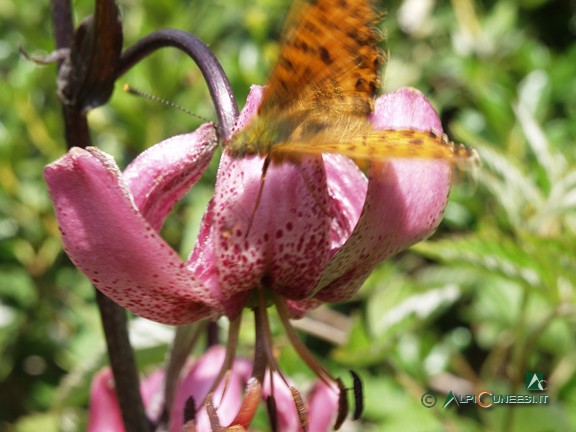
pixel 75 123
pixel 218 84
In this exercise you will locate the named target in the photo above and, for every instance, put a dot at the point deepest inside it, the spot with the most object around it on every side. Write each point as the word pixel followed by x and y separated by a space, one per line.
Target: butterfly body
pixel 274 137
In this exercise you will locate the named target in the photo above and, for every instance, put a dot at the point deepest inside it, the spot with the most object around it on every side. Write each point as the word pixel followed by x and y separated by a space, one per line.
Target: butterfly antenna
pixel 131 90
pixel 259 196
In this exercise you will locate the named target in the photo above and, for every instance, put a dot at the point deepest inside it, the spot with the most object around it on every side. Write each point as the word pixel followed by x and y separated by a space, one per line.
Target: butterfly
pixel 321 92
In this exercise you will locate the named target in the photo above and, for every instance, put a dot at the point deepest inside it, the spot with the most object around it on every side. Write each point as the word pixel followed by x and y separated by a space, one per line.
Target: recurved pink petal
pixel 203 263
pixel 283 242
pixel 104 411
pixel 104 414
pixel 323 406
pixel 347 187
pixel 286 415
pixel 162 174
pixel 198 381
pixel 404 203
pixel 110 241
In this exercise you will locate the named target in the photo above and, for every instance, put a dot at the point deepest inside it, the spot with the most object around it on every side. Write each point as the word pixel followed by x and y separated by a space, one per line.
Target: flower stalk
pixel 113 316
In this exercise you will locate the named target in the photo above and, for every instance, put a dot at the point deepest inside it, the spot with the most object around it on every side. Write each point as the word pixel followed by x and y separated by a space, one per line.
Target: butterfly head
pixel 254 139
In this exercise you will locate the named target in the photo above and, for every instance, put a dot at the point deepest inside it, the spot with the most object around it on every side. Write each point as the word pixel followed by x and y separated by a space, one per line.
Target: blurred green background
pixel 487 299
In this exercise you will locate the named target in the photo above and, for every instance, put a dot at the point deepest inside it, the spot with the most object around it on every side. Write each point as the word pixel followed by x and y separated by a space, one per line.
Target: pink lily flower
pixel 105 415
pixel 320 228
pixel 305 253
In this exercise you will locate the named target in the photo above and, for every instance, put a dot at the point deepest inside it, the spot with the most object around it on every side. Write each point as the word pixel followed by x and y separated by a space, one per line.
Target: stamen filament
pixel 300 348
pixel 267 336
pixel 264 333
pixel 262 343
pixel 233 336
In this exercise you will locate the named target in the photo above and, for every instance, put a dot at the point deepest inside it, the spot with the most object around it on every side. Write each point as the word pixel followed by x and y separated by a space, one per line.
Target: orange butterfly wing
pixel 321 92
pixel 328 61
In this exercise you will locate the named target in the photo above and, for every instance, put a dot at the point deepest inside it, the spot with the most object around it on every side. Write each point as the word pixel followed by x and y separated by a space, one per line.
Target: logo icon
pixel 535 381
pixel 451 398
pixel 429 399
